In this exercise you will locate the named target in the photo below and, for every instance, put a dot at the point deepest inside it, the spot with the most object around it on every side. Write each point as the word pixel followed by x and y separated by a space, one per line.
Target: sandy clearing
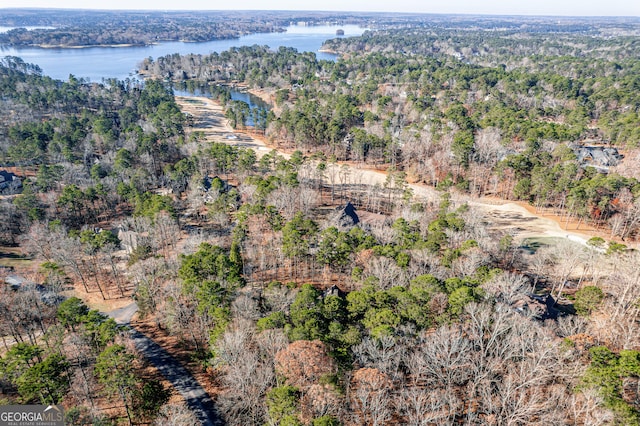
pixel 524 224
pixel 513 217
pixel 208 118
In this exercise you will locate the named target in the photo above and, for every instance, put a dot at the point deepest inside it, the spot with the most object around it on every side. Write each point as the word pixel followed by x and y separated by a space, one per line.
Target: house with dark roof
pixel 345 217
pixel 598 157
pixel 334 290
pixel 9 183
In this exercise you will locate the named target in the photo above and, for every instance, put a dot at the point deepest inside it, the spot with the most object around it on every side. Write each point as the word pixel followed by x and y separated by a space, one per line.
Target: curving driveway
pixel 194 395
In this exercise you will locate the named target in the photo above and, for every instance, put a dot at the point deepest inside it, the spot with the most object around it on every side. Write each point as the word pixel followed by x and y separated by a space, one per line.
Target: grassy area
pixel 193 101
pixel 533 244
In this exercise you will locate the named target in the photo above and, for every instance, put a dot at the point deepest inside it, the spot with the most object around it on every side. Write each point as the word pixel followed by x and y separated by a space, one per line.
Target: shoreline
pixel 84 46
pixel 331 51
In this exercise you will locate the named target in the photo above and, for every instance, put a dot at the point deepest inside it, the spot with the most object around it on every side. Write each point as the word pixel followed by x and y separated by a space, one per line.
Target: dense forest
pixel 300 295
pixel 502 113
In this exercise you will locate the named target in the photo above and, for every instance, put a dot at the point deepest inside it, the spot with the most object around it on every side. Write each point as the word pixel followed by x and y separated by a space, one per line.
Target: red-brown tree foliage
pixel 370 379
pixel 303 362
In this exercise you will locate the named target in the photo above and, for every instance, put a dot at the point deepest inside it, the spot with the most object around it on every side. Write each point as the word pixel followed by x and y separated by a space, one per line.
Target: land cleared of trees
pixel 518 219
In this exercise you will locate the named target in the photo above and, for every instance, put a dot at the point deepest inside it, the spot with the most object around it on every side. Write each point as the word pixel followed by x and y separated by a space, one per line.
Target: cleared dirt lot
pixel 521 220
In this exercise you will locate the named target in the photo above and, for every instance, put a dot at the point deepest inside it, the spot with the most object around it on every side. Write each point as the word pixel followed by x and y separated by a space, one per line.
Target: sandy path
pixel 500 214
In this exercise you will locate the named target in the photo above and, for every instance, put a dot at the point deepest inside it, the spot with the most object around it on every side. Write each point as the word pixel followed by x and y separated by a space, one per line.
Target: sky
pixel 487 7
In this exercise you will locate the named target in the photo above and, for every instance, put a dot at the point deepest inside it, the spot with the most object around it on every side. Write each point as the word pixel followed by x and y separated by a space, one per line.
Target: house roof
pixel 597 156
pixel 346 215
pixel 15 281
pixel 8 179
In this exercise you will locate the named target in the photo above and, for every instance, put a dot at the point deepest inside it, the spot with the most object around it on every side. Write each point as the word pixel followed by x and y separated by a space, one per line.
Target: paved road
pixel 123 315
pixel 194 395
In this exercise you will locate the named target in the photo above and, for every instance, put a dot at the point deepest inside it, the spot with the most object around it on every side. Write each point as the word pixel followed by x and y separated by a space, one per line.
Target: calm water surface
pixel 96 63
pixel 5 29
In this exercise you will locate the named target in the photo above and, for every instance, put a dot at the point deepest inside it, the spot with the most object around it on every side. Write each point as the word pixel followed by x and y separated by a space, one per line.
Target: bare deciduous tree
pixel 387 272
pixel 423 407
pixel 586 408
pixel 245 360
pixel 386 354
pixel 175 415
pixel 507 287
pixel 370 397
pixel 442 359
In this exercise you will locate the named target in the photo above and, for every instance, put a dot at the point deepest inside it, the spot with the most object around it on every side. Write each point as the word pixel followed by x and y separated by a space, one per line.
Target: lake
pixel 5 29
pixel 96 63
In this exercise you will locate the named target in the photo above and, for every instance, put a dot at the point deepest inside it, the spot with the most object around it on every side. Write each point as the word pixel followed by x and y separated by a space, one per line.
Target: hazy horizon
pixel 568 8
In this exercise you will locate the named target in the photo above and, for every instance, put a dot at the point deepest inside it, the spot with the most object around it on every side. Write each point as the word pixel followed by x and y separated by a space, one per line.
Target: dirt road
pixel 500 214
